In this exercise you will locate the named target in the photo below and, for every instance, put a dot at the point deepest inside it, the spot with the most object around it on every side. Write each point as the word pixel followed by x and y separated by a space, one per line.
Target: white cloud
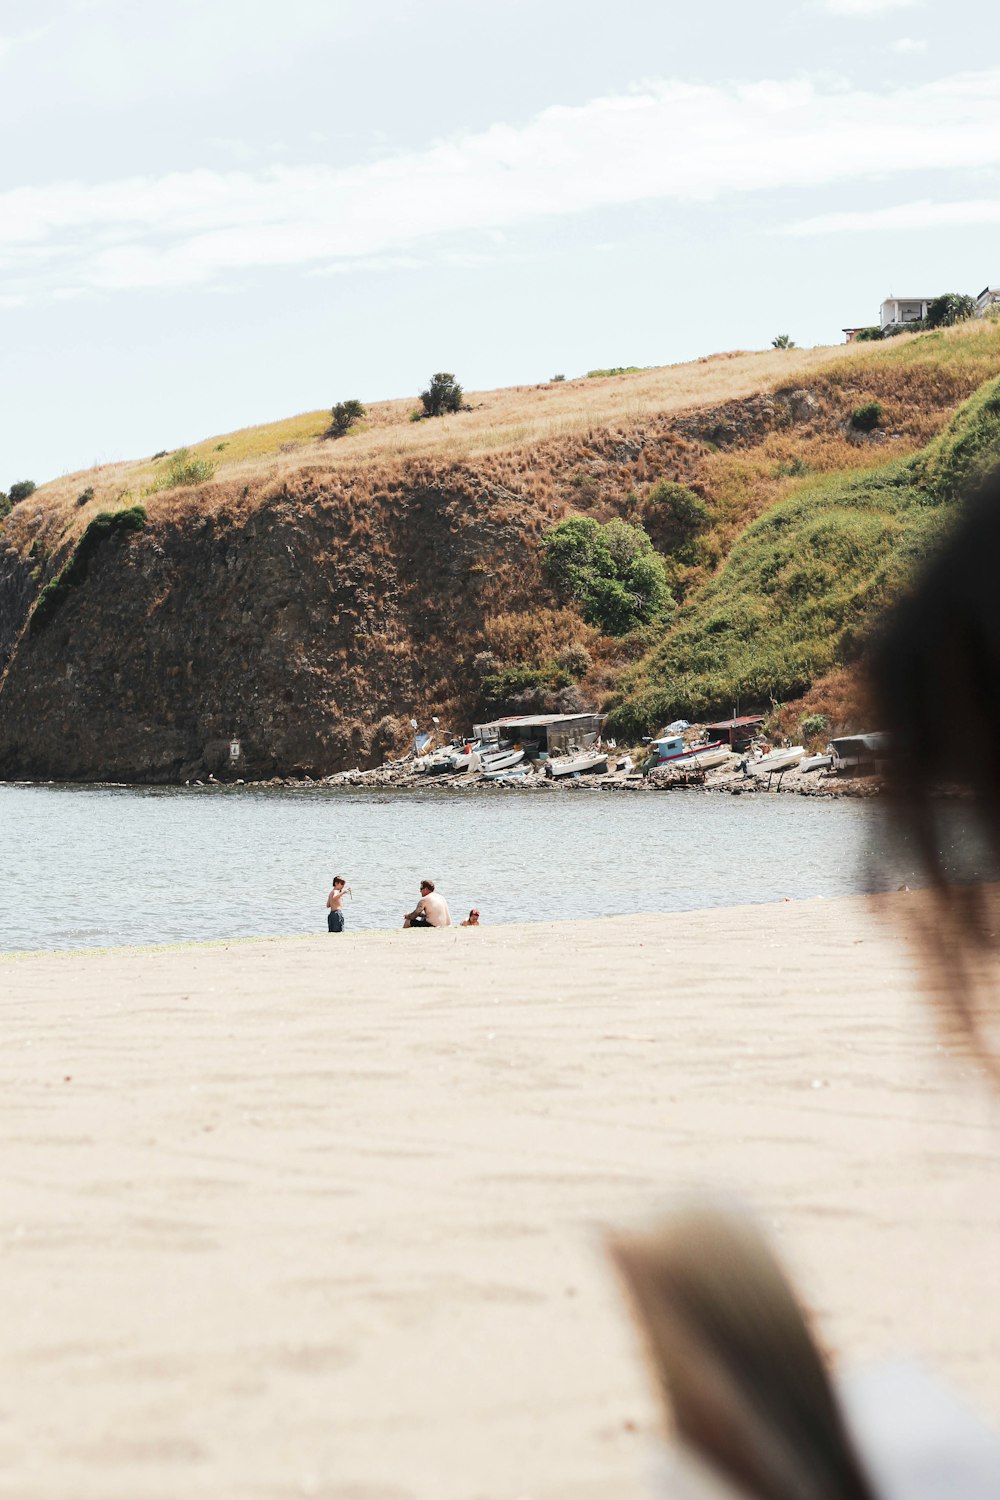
pixel 670 142
pixel 920 215
pixel 908 44
pixel 866 7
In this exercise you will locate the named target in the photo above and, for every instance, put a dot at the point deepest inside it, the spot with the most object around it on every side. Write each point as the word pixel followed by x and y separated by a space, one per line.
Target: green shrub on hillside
pixel 343 417
pixel 868 335
pixel 182 470
pixel 783 341
pixel 799 592
pixel 444 394
pixel 4 504
pixel 611 570
pixel 867 417
pixel 21 490
pixel 674 516
pixel 74 573
pixel 614 370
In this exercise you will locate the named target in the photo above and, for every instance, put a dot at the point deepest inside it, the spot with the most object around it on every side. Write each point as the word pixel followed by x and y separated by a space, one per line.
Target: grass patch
pixel 183 469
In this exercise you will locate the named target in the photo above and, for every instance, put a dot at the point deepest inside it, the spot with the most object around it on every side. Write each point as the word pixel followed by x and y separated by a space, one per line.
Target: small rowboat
pixel 501 760
pixel 584 764
pixel 778 760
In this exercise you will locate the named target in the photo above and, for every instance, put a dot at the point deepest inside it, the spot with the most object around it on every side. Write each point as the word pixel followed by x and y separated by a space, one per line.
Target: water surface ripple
pixel 90 866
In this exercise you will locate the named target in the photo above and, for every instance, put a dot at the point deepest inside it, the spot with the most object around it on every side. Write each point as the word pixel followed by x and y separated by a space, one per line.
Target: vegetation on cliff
pixel 611 571
pixel 803 584
pixel 104 525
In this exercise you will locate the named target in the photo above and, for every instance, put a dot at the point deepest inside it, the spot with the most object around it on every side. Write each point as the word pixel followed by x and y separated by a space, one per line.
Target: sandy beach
pixel 323 1217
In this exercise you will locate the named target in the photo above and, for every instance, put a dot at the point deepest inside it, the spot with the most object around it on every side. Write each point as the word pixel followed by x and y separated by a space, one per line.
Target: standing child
pixel 334 903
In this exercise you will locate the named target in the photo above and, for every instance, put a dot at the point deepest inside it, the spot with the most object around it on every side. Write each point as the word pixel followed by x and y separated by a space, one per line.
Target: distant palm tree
pixel 783 342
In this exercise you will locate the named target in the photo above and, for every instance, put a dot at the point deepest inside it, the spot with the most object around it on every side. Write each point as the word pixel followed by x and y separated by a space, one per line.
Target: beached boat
pixel 501 760
pixel 586 763
pixel 514 773
pixel 861 751
pixel 706 758
pixel 778 760
pixel 670 750
pixel 815 762
pixel 465 760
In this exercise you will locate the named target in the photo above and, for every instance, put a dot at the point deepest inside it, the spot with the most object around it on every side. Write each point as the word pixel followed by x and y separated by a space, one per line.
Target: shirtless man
pixel 335 904
pixel 430 911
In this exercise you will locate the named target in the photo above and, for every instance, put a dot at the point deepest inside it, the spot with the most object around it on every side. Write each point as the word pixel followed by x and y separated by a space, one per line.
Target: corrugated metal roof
pixel 735 723
pixel 524 720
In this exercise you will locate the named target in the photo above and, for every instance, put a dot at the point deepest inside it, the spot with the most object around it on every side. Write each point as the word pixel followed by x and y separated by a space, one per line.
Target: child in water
pixel 334 903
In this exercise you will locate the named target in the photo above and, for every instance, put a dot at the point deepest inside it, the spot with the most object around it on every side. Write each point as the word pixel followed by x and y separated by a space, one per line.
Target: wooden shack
pixel 736 733
pixel 542 734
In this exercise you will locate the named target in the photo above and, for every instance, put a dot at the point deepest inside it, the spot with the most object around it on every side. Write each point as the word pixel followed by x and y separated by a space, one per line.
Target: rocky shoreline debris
pixel 401 776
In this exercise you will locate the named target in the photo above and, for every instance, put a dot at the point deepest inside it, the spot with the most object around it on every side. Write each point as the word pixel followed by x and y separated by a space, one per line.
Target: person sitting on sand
pixel 334 904
pixel 472 920
pixel 430 911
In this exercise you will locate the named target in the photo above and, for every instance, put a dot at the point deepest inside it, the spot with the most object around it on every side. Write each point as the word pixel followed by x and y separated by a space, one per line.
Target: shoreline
pixel 137 950
pixel 859 787
pixel 291 1226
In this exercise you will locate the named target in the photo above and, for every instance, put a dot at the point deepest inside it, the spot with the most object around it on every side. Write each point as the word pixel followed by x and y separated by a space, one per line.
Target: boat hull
pixel 576 765
pixel 778 760
pixel 502 760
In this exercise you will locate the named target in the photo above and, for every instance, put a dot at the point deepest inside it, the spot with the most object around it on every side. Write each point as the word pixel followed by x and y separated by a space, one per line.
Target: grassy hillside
pixel 309 594
pixel 802 585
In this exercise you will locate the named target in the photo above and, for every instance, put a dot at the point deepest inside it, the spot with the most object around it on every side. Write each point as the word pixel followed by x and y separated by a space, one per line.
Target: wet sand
pixel 323 1217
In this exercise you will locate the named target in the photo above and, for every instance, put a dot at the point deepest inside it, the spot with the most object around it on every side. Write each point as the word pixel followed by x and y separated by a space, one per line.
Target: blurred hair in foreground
pixel 934 673
pixel 734 1359
pixel 729 1344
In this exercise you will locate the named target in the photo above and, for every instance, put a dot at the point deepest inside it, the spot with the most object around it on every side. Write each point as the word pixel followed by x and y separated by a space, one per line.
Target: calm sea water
pixel 85 866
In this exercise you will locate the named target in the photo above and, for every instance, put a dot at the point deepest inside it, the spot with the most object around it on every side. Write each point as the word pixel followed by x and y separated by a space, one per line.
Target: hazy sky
pixel 219 212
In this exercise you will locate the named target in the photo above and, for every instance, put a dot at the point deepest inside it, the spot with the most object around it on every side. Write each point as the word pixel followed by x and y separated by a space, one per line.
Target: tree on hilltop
pixel 951 307
pixel 444 394
pixel 783 341
pixel 343 417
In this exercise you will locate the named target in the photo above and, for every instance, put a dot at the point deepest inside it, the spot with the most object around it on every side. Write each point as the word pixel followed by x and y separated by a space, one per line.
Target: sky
pixel 215 213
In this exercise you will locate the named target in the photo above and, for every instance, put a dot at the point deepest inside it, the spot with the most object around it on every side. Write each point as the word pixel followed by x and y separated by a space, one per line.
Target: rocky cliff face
pixel 294 629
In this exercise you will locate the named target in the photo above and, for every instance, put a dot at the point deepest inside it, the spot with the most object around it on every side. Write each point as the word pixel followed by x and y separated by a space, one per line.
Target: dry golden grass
pixel 533 438
pixel 513 417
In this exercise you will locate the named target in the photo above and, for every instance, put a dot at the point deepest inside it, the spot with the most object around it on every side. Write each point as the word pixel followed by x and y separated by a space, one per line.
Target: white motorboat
pixel 515 773
pixel 777 760
pixel 583 763
pixel 815 762
pixel 705 760
pixel 501 760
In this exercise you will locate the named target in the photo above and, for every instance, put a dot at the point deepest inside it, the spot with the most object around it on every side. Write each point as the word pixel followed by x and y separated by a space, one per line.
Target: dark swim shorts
pixel 335 921
pixel 420 921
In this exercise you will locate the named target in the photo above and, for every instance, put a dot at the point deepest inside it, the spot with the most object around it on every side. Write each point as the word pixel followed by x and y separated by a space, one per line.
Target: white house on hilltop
pixel 988 297
pixel 896 312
